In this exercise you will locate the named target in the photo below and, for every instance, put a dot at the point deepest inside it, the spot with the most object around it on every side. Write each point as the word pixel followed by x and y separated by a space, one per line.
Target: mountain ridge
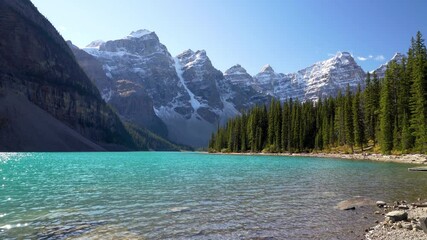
pixel 198 96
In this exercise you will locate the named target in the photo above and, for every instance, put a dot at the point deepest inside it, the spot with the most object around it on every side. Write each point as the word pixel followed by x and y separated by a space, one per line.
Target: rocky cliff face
pixel 35 62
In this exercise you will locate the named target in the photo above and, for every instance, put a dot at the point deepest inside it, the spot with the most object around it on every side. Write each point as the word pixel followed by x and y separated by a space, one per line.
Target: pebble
pixel 380 203
pixel 403 206
pixel 407 226
pixel 398 224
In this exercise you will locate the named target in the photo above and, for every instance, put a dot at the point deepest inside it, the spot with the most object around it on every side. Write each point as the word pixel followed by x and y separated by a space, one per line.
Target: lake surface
pixel 147 195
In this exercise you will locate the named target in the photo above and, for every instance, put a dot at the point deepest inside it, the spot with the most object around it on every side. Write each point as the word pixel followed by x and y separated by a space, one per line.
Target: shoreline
pixel 401 221
pixel 419 159
pixel 408 228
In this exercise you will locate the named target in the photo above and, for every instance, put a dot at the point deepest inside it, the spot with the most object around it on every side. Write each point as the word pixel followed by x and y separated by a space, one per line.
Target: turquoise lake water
pixel 155 195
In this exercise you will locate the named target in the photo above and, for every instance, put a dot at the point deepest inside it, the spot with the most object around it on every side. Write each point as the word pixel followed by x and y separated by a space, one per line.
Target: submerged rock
pixel 352 203
pixel 179 209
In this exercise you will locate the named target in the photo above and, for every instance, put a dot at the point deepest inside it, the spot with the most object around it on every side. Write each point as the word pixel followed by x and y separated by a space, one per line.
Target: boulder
pixel 396 216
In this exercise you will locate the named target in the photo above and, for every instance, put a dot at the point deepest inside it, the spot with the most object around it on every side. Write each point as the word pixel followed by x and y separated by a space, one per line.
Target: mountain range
pixel 131 93
pixel 185 98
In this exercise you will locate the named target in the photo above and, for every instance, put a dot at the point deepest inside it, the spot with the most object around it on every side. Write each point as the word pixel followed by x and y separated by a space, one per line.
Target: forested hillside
pixel 389 115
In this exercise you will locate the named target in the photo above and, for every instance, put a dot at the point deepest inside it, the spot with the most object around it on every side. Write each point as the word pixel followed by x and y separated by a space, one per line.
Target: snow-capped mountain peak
pixel 322 79
pixel 339 58
pixel 235 70
pixel 190 58
pixel 343 55
pixel 380 71
pixel 138 34
pixel 267 68
pixel 95 44
pixel 398 57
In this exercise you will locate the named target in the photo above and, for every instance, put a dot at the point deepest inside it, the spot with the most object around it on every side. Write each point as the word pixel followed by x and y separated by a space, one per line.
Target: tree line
pixel 389 115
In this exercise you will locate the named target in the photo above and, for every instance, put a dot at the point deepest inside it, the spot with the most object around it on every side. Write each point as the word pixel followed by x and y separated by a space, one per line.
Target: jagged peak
pixel 186 53
pixel 235 70
pixel 267 68
pixel 343 55
pixel 190 54
pixel 138 33
pixel 201 52
pixel 95 44
pixel 397 57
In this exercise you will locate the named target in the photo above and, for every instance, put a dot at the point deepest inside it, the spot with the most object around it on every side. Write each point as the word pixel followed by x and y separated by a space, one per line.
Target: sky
pixel 288 35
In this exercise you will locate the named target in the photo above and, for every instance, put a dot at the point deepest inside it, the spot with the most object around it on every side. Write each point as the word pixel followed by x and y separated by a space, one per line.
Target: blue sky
pixel 288 35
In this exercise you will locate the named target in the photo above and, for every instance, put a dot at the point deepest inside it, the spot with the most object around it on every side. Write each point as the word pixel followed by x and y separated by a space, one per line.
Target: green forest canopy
pixel 388 115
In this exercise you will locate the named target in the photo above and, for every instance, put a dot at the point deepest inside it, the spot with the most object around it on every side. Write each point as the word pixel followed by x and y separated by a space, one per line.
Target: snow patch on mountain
pixel 95 44
pixel 322 79
pixel 194 102
pixel 138 34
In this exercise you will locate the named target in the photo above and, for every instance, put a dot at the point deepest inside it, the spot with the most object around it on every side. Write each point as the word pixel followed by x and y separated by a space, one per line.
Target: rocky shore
pixel 401 221
pixel 403 158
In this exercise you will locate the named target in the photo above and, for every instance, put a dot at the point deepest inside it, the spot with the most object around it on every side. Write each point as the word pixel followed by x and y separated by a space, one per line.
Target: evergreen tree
pixel 386 117
pixel 419 90
pixel 358 119
pixel 348 118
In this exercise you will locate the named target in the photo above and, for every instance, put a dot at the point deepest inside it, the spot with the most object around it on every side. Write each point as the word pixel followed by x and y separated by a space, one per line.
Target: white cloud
pixel 370 56
pixel 379 58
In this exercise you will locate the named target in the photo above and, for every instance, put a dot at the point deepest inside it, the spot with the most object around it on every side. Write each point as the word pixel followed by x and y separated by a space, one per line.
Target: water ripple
pixel 189 196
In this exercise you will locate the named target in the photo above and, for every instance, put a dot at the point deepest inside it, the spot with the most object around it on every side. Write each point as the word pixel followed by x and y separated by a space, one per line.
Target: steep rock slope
pixel 26 127
pixel 36 62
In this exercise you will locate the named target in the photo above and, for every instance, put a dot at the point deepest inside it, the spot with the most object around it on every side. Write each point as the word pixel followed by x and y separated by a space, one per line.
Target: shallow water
pixel 148 195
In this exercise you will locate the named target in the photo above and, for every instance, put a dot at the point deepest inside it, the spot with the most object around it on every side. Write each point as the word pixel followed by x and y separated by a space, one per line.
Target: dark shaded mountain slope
pixel 37 64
